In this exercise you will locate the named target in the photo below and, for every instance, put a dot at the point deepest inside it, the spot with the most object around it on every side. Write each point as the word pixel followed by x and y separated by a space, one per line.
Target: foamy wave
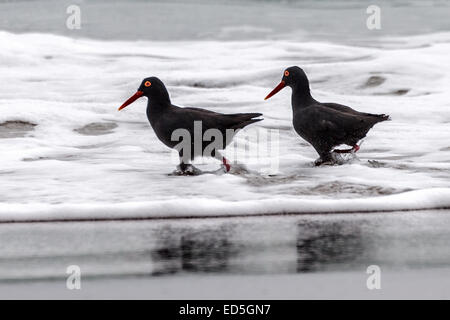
pixel 200 208
pixel 83 151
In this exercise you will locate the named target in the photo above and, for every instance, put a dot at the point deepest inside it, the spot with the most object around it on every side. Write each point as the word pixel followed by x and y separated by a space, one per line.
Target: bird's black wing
pixel 198 110
pixel 337 127
pixel 221 121
pixel 342 108
pixel 185 118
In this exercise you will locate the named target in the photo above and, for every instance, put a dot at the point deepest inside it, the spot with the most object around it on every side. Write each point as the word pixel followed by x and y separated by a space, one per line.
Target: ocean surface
pixel 68 154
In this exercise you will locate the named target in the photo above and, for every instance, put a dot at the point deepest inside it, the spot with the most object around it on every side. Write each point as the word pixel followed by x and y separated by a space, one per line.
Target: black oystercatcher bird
pixel 324 125
pixel 165 118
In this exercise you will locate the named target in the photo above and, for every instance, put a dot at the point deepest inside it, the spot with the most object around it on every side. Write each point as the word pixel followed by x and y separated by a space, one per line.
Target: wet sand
pixel 309 256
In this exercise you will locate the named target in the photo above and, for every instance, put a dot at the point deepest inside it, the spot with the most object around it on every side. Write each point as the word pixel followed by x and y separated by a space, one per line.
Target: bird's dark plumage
pixel 166 117
pixel 324 125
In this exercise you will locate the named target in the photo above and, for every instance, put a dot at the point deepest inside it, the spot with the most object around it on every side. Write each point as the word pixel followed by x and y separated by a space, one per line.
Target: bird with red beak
pixel 324 125
pixel 166 118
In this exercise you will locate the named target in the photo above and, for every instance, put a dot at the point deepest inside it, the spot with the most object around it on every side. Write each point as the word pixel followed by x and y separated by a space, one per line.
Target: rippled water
pixel 340 21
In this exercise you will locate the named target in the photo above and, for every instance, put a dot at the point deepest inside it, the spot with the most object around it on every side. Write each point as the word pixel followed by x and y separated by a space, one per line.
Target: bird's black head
pixel 293 77
pixel 152 88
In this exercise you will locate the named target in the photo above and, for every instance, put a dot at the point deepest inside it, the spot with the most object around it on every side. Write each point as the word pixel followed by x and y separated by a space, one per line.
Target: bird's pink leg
pixel 226 164
pixel 224 160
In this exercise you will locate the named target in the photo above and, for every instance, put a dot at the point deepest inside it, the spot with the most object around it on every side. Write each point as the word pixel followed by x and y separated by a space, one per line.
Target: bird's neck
pixel 301 96
pixel 158 100
pixel 157 106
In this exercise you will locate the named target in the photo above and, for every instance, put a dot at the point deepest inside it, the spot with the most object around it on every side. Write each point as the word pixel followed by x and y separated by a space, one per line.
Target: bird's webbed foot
pixel 188 169
pixel 322 161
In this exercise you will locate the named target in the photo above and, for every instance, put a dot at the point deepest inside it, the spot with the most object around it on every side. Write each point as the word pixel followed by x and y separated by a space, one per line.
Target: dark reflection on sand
pixel 326 243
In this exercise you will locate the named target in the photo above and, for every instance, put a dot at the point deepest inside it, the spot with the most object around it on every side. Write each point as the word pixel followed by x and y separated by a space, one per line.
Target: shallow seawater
pixel 96 128
pixel 82 150
pixel 15 129
pixel 74 147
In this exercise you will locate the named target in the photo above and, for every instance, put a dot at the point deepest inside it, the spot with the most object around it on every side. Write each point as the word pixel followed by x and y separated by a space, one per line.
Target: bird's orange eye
pixel 286 73
pixel 147 83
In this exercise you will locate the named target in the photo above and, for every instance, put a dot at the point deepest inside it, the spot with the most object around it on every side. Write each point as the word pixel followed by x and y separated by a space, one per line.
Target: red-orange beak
pixel 132 99
pixel 280 86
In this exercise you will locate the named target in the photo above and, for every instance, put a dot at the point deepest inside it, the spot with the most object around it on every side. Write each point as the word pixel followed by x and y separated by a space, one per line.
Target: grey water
pixel 172 20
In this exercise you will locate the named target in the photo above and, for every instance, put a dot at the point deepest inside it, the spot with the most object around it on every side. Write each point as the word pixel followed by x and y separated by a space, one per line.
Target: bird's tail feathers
pixel 245 116
pixel 384 117
pixel 243 124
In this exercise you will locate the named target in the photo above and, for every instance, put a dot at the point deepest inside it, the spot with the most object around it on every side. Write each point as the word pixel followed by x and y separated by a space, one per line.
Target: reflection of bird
pixel 324 125
pixel 165 118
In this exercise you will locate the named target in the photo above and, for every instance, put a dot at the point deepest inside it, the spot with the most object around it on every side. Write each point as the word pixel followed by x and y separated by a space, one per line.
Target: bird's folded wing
pixel 329 121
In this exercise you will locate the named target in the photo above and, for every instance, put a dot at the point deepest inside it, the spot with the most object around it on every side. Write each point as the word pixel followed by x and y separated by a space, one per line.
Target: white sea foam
pixel 62 84
pixel 179 208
